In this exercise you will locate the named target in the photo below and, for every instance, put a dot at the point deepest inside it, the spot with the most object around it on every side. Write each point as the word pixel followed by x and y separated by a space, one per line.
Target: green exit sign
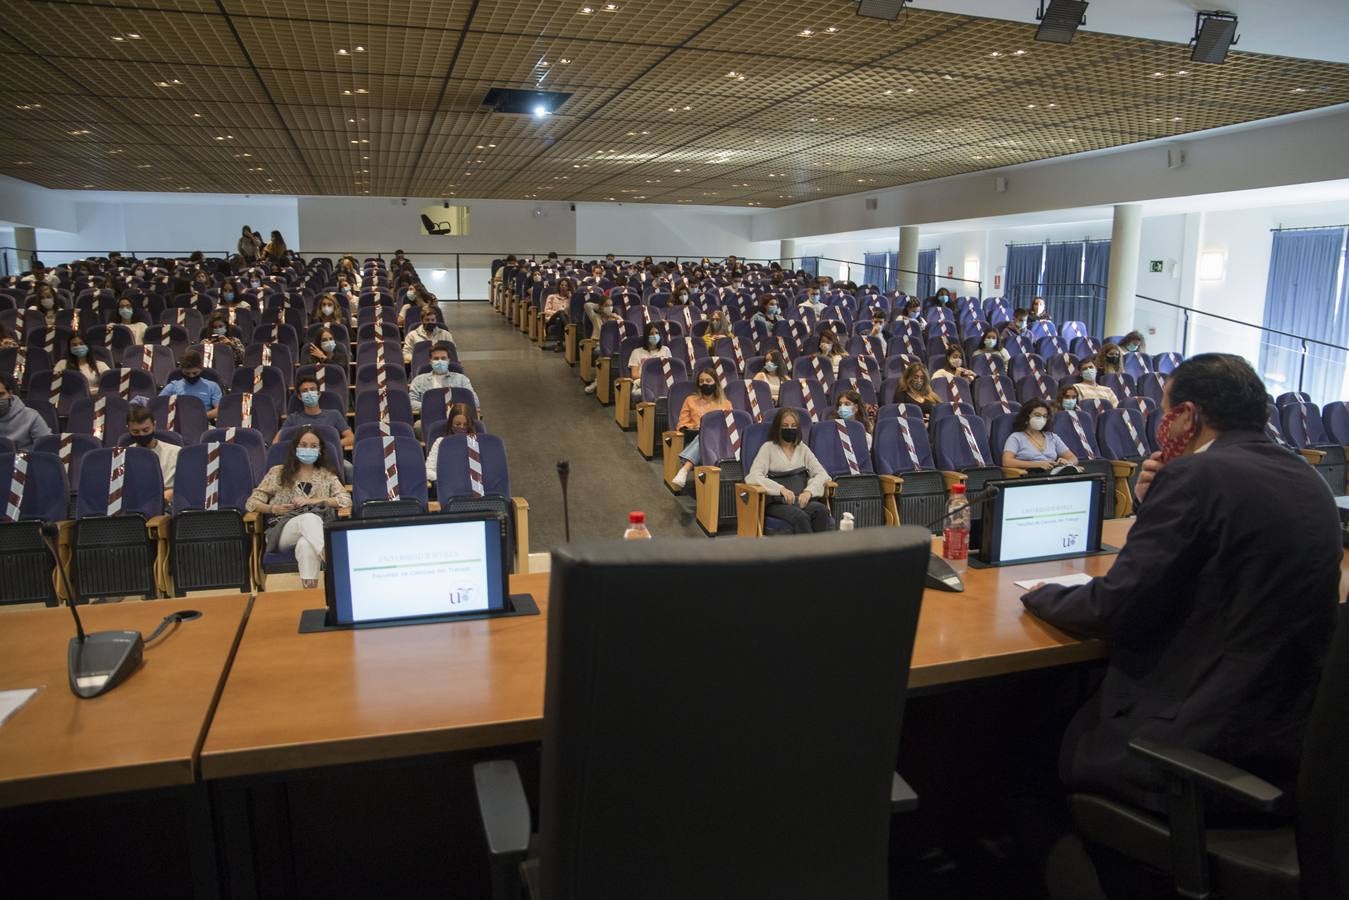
pixel 1154 265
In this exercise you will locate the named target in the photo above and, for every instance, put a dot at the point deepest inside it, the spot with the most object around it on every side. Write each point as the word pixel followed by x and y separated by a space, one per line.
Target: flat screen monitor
pixel 414 568
pixel 1033 519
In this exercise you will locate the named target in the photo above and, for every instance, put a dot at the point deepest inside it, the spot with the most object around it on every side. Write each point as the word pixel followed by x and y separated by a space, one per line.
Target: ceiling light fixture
pixel 887 10
pixel 611 7
pixel 1060 21
pixel 360 49
pixel 1214 33
pixel 585 11
pixel 342 51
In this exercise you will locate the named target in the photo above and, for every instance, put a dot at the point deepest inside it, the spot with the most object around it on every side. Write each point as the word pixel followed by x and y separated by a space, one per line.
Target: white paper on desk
pixel 10 701
pixel 1072 580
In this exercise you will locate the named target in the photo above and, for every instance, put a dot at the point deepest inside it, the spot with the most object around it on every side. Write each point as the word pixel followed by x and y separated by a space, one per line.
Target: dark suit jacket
pixel 1218 612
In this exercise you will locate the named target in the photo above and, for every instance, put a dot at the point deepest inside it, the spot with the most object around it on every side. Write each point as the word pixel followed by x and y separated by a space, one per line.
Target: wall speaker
pixel 1175 158
pixel 1000 184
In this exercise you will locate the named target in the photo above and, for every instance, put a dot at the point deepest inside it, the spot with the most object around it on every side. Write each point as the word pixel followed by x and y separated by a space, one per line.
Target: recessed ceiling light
pixel 1293 91
pixel 118 38
pixel 1183 72
pixel 360 49
pixel 831 30
pixel 79 131
pixel 1158 74
pixel 564 61
pixel 1030 106
pixel 586 10
pixel 342 51
pixel 196 115
pixel 1175 118
pixel 909 90
pixel 805 32
pixel 133 35
pixel 1018 52
pixel 543 64
pixel 144 166
pixel 23 162
pixel 996 53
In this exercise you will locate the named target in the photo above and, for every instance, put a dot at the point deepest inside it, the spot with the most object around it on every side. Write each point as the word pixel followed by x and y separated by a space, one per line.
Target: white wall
pixel 663 231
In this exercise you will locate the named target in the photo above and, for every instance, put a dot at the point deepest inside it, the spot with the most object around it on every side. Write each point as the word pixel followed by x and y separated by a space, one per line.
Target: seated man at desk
pixel 1219 610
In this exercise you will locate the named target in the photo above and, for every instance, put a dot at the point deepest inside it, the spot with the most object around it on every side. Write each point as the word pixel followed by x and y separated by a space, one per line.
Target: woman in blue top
pixel 1030 446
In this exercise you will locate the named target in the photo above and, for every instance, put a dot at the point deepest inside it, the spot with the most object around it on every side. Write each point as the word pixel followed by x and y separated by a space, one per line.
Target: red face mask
pixel 1173 446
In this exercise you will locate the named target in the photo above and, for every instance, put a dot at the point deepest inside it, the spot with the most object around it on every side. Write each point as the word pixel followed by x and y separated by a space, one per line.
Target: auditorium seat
pixel 27 573
pixel 960 449
pixel 207 544
pixel 1077 429
pixel 376 491
pixel 253 442
pixel 854 487
pixel 111 544
pixel 721 468
pixel 455 489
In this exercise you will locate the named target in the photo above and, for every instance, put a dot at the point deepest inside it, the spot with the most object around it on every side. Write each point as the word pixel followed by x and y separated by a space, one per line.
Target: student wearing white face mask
pixel 440 376
pixel 598 314
pixel 327 311
pixel 1030 445
pixel 653 347
pixel 324 349
pixel 988 346
pixel 1088 389
pixel 126 315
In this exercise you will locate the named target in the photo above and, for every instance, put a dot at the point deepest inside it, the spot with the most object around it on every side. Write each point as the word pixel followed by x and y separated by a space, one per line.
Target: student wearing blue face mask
pixel 311 413
pixel 1067 400
pixel 850 406
pixel 127 315
pixel 774 372
pixel 79 359
pixel 653 347
pixel 769 313
pixel 297 497
pixel 440 376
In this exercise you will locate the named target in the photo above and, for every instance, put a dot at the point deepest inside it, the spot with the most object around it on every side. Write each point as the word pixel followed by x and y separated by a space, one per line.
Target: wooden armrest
pixel 1014 472
pixel 521 507
pixel 1122 468
pixel 157 525
pixel 1312 456
pixel 891 484
pixel 253 523
pixel 750 500
pixel 952 478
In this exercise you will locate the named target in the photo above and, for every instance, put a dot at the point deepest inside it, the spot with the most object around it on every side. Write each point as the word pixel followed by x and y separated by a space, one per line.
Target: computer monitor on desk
pixel 1037 519
pixel 415 568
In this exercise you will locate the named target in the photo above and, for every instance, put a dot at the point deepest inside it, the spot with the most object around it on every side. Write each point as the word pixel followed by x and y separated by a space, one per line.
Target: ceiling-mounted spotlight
pixel 1214 32
pixel 1060 21
pixel 888 10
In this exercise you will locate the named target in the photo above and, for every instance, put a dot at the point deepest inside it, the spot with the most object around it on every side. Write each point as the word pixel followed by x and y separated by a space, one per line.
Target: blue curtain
pixel 810 265
pixel 1095 271
pixel 927 273
pixel 873 269
pixel 1022 281
pixel 892 273
pixel 1301 299
pixel 1062 279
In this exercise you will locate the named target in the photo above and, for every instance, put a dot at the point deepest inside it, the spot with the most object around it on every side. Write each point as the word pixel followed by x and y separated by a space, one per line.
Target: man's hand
pixel 788 496
pixel 1151 466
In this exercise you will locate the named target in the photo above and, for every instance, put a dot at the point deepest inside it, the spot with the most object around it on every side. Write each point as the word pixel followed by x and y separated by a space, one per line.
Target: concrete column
pixel 908 259
pixel 1122 283
pixel 787 254
pixel 25 242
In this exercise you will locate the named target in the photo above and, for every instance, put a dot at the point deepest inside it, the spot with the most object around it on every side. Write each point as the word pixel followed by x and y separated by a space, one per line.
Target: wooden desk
pixel 297 701
pixel 143 734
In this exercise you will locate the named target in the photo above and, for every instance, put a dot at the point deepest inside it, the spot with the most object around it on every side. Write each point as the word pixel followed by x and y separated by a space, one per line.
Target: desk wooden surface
pixel 295 701
pixel 144 733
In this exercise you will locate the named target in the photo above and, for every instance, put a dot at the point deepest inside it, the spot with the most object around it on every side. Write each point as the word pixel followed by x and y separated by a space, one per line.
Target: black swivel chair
pixel 435 227
pixel 1306 859
pixel 720 720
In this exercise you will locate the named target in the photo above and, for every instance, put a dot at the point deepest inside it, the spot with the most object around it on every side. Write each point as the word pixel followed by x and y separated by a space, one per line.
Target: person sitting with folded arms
pixel 774 372
pixel 783 458
pixel 1088 389
pixel 1030 446
pixel 955 365
pixel 296 497
pixel 707 398
pixel 140 424
pixel 192 384
pixel 325 350
pixel 1018 324
pixel 850 407
pixel 217 331
pixel 429 330
pixel 653 347
pixel 556 313
pixel 769 314
pixel 915 387
pixel 79 359
pixel 440 376
pixel 459 421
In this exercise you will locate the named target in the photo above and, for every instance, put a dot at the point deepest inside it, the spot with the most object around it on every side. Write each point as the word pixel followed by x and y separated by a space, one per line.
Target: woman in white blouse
pixel 781 464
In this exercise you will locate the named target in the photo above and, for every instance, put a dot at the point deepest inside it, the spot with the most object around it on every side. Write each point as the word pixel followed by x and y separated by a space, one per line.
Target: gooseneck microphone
pixel 940 575
pixel 563 470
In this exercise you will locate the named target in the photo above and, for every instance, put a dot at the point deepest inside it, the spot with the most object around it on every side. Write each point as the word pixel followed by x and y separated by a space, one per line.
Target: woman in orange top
pixel 708 398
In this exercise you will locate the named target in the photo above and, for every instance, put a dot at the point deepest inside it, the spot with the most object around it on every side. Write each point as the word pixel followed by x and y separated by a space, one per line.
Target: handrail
pixel 1190 309
pixel 935 276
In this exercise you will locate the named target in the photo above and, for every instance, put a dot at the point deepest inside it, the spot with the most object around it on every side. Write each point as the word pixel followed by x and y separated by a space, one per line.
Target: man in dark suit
pixel 1219 610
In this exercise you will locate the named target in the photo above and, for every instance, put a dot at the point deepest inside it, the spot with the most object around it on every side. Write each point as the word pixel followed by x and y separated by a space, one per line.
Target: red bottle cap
pixel 636 517
pixel 958 488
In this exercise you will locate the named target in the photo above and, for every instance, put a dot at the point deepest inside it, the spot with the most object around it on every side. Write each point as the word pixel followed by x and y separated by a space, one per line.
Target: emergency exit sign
pixel 1154 265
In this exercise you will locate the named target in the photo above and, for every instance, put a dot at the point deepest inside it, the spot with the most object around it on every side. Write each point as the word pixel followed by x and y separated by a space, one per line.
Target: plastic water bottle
pixel 846 523
pixel 956 535
pixel 637 530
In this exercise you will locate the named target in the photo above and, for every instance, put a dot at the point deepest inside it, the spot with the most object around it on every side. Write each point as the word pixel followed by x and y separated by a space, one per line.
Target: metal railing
pixel 1065 301
pixel 960 286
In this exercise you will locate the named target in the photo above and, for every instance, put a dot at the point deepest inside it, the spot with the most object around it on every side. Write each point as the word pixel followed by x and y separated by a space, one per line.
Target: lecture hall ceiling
pixel 758 103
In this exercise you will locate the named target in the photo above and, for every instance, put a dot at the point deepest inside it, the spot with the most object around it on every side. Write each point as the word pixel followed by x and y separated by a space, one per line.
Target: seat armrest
pixel 902 797
pixel 1211 774
pixel 750 500
pixel 253 522
pixel 952 478
pixel 520 506
pixel 1312 456
pixel 1014 472
pixel 1122 468
pixel 504 809
pixel 158 525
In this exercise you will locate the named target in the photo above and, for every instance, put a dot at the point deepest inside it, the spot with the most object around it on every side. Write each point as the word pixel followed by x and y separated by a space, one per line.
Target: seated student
pixel 1088 389
pixel 914 387
pixel 325 350
pixel 556 313
pixel 768 313
pixel 327 311
pixel 598 314
pixel 652 348
pixel 1038 311
pixel 1110 359
pixel 193 385
pixel 417 301
pixel 459 421
pixel 1018 323
pixel 297 497
pixel 912 312
pixel 783 458
pixel 831 348
pixel 311 413
pixel 1067 399
pixel 955 365
pixel 774 372
pixel 850 406
pixel 77 359
pixel 140 424
pixel 718 326
pixel 128 316
pixel 217 331
pixel 440 376
pixel 1133 342
pixel 878 323
pixel 7 338
pixel 20 424
pixel 429 330
pixel 44 299
pixel 708 398
pixel 988 346
pixel 231 295
pixel 1030 445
